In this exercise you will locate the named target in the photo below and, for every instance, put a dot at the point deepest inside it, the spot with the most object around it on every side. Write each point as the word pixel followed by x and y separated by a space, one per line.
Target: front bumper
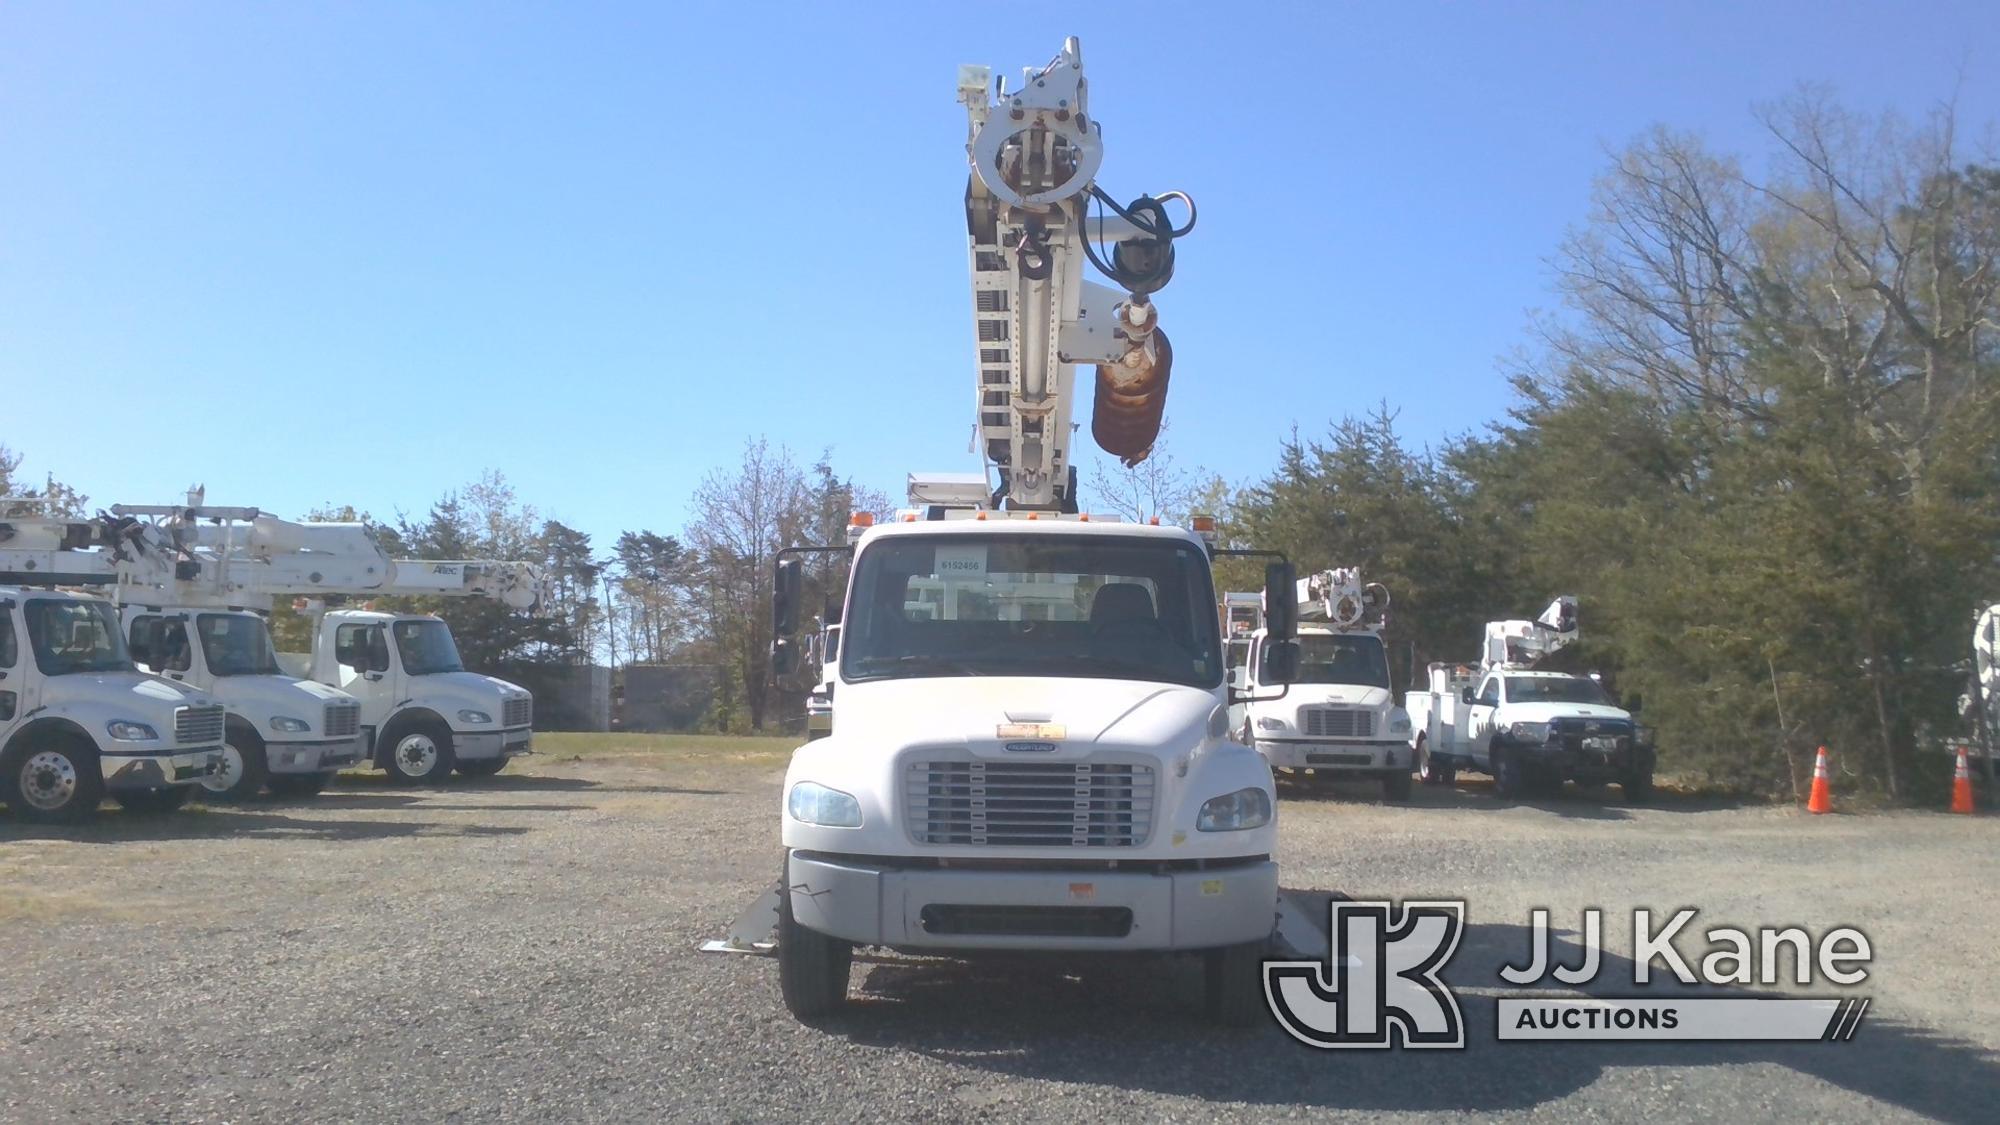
pixel 1334 756
pixel 1571 758
pixel 314 757
pixel 183 765
pixel 868 902
pixel 487 745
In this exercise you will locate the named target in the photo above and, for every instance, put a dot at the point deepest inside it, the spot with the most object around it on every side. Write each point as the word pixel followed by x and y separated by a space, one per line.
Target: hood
pixel 135 690
pixel 280 691
pixel 968 710
pixel 1543 712
pixel 1344 695
pixel 469 688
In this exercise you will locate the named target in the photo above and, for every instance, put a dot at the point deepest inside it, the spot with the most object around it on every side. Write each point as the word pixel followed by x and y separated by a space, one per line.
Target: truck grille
pixel 1032 804
pixel 198 726
pixel 1336 722
pixel 517 712
pixel 342 719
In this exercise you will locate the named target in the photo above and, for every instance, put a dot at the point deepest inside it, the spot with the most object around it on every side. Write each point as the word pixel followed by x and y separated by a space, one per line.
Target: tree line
pixel 1760 442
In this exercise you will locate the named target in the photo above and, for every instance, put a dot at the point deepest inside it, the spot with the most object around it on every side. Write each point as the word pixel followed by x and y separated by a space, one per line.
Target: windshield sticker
pixel 961 560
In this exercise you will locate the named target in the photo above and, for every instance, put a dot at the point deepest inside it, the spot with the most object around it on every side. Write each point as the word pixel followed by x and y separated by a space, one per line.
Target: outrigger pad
pixel 754 932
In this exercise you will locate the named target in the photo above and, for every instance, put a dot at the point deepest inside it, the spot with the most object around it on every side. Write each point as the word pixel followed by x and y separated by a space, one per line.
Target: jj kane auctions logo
pixel 1380 982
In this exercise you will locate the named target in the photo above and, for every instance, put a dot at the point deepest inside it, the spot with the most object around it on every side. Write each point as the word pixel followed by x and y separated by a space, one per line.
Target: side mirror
pixel 1239 679
pixel 831 613
pixel 1281 661
pixel 785 596
pixel 1632 705
pixel 784 657
pixel 1281 606
pixel 1465 694
pixel 832 654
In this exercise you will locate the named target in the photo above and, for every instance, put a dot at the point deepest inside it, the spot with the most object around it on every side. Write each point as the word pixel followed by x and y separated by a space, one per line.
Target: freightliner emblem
pixel 1032 747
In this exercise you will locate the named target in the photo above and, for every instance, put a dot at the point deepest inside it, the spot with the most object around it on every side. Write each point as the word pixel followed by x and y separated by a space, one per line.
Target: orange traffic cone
pixel 1821 800
pixel 1961 786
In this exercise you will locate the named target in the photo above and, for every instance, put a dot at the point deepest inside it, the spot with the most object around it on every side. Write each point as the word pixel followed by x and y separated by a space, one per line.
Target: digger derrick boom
pixel 1034 156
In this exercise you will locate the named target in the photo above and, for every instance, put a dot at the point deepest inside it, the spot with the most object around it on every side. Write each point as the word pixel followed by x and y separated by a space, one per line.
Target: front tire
pixel 243 771
pixel 1509 775
pixel 154 802
pixel 485 767
pixel 298 784
pixel 1233 983
pixel 1396 786
pixel 1638 786
pixel 52 781
pixel 422 755
pixel 812 967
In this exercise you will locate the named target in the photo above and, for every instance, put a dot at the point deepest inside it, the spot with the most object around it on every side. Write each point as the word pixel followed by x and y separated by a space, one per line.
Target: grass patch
pixel 642 749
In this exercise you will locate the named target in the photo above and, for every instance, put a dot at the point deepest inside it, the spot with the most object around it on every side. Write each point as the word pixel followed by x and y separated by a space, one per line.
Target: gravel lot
pixel 524 948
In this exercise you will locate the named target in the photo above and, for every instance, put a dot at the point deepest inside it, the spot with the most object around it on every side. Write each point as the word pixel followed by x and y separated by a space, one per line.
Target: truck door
pixel 364 669
pixel 1479 723
pixel 12 675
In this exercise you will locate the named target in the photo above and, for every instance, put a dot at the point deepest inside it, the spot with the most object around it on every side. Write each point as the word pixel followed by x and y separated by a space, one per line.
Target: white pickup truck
pixel 1531 730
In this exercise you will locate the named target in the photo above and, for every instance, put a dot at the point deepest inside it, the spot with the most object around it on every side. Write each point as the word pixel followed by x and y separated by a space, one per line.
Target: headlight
pixel 1529 732
pixel 1234 812
pixel 124 730
pixel 471 716
pixel 1399 724
pixel 811 803
pixel 289 725
pixel 1268 723
pixel 1643 736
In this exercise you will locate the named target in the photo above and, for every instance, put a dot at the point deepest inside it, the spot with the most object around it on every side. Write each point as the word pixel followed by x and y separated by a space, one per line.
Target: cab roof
pixel 1019 524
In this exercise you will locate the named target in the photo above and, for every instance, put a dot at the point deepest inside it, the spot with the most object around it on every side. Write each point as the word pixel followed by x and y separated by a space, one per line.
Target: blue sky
pixel 359 253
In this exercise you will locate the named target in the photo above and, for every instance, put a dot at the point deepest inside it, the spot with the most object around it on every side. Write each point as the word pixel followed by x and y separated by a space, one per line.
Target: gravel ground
pixel 524 948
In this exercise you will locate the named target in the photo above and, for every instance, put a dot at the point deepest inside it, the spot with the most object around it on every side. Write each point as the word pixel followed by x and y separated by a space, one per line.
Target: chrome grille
pixel 342 719
pixel 198 725
pixel 517 712
pixel 1336 722
pixel 1033 804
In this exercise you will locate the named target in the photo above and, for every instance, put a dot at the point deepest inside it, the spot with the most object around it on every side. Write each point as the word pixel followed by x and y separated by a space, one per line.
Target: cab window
pixel 1489 693
pixel 161 643
pixel 10 648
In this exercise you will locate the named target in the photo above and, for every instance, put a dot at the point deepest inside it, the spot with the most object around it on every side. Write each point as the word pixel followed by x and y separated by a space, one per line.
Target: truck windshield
pixel 236 644
pixel 1333 658
pixel 426 647
pixel 1554 689
pixel 1032 605
pixel 75 636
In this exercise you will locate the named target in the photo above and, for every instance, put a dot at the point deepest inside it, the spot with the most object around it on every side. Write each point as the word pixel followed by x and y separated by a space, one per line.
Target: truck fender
pixel 48 726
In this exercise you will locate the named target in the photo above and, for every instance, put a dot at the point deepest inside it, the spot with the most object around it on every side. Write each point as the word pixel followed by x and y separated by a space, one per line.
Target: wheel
pixel 243 770
pixel 1431 771
pixel 1638 786
pixel 1396 786
pixel 52 780
pixel 812 967
pixel 422 755
pixel 1509 779
pixel 298 784
pixel 162 800
pixel 485 767
pixel 1233 983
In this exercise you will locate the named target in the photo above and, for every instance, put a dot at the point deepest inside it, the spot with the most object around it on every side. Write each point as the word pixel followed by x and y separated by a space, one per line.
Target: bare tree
pixel 1156 488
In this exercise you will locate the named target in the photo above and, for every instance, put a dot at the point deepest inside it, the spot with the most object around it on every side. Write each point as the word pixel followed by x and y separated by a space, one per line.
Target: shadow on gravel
pixel 1574 802
pixel 499 783
pixel 208 822
pixel 1135 1025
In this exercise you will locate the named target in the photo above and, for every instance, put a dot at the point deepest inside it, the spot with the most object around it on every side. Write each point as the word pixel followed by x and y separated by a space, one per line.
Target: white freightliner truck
pixel 197 582
pixel 1531 730
pixel 78 720
pixel 1340 718
pixel 1032 748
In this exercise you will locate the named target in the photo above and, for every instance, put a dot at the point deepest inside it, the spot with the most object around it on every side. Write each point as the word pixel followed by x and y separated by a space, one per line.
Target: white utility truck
pixel 1340 718
pixel 819 704
pixel 1032 748
pixel 1531 730
pixel 78 720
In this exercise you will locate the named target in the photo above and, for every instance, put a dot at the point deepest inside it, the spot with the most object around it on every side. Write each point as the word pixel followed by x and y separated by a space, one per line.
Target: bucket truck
pixel 1340 718
pixel 1032 749
pixel 78 720
pixel 421 714
pixel 1531 730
